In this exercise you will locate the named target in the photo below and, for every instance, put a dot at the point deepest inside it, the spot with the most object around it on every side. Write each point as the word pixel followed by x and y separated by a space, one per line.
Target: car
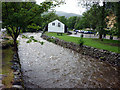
pixel 85 32
pixel 76 30
pixel 81 31
pixel 88 32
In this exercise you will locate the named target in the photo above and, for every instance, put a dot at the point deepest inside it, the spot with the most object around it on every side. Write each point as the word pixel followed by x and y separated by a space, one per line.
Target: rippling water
pixel 52 66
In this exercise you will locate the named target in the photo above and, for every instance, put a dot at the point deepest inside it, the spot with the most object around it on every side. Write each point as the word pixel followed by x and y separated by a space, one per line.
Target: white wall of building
pixel 55 28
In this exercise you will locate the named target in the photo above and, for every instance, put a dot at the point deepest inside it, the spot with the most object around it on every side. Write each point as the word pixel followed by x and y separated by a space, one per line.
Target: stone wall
pixel 18 81
pixel 104 55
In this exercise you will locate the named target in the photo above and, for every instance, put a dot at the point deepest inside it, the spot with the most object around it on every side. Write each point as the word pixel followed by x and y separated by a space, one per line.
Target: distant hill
pixel 67 15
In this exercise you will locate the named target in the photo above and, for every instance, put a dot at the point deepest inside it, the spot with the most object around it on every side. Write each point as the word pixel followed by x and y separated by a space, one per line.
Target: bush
pixel 81 42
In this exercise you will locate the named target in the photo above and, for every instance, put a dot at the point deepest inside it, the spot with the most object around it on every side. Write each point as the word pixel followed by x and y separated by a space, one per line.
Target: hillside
pixel 67 15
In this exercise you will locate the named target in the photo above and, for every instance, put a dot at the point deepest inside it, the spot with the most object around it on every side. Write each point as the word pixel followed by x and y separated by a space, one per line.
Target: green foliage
pixel 6 64
pixel 63 19
pixel 47 18
pixel 29 41
pixel 11 42
pixel 16 16
pixel 71 22
pixel 33 28
pixel 31 38
pixel 102 58
pixel 81 42
pixel 6 38
pixel 113 32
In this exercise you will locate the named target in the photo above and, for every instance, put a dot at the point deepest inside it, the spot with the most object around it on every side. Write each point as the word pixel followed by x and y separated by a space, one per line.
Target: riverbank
pixel 106 44
pixel 11 73
pixel 7 55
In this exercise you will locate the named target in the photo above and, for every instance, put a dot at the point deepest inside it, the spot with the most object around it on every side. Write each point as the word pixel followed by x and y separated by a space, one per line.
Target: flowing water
pixel 52 66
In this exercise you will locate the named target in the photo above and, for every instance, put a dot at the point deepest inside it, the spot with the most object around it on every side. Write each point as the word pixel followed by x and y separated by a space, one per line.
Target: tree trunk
pixel 100 37
pixel 102 23
pixel 15 47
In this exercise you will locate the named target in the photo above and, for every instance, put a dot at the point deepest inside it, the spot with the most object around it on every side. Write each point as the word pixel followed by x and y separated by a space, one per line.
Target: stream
pixel 52 66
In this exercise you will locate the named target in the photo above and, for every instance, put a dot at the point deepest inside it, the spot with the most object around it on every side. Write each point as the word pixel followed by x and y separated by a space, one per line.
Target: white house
pixel 56 26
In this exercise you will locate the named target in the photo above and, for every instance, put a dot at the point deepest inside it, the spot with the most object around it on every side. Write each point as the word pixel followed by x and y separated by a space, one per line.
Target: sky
pixel 71 6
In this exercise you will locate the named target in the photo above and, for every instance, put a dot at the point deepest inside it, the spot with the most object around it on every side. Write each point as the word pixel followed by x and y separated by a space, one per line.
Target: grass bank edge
pixel 96 43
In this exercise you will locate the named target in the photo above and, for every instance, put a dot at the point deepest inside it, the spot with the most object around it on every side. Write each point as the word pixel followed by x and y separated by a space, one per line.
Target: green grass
pixel 7 55
pixel 110 45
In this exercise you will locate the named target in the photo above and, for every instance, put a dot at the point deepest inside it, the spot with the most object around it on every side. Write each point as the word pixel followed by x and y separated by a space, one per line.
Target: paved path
pixel 51 66
pixel 90 36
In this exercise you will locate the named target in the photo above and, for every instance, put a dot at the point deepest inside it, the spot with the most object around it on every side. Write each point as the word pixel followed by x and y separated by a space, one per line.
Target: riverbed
pixel 52 66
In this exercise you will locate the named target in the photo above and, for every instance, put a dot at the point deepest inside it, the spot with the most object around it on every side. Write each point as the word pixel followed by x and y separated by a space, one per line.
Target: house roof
pixel 57 21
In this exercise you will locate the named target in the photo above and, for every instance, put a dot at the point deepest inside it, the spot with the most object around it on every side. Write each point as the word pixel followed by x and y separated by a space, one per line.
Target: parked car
pixel 88 32
pixel 91 32
pixel 76 30
pixel 85 32
pixel 81 31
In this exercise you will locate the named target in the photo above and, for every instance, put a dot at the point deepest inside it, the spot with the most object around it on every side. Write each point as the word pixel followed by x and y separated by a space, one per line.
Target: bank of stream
pixel 7 72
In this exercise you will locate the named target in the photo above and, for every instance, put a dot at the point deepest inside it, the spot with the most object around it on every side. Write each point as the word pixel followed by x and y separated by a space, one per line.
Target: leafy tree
pixel 117 13
pixel 63 19
pixel 47 18
pixel 101 23
pixel 77 24
pixel 16 16
pixel 71 22
pixel 114 8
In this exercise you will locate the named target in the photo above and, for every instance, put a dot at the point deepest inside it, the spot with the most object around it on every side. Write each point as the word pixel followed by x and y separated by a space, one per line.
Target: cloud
pixel 39 1
pixel 71 6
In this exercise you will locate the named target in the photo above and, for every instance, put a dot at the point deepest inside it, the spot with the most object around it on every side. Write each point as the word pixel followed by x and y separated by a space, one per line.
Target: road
pixel 90 36
pixel 52 66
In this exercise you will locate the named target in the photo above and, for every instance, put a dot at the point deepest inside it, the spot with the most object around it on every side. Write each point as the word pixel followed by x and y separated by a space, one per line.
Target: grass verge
pixel 7 55
pixel 106 44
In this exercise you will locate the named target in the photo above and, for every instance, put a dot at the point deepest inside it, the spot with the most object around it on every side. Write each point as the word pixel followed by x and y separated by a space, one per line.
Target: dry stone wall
pixel 104 55
pixel 18 81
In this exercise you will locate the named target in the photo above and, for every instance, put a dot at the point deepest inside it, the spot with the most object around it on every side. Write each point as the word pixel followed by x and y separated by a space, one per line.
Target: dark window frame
pixel 59 25
pixel 53 24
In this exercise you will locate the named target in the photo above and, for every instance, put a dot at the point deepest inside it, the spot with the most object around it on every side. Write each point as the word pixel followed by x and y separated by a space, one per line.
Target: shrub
pixel 81 42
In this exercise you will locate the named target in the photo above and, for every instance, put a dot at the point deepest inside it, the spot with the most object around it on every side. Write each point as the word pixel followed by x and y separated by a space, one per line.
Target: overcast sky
pixel 71 6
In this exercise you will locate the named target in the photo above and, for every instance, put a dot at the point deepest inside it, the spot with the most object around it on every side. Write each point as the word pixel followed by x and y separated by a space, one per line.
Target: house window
pixel 58 24
pixel 53 24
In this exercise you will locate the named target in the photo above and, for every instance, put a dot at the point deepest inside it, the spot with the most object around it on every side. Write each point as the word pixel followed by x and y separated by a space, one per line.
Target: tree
pixel 77 24
pixel 71 22
pixel 16 16
pixel 117 13
pixel 63 19
pixel 47 18
pixel 95 12
pixel 101 24
pixel 114 8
